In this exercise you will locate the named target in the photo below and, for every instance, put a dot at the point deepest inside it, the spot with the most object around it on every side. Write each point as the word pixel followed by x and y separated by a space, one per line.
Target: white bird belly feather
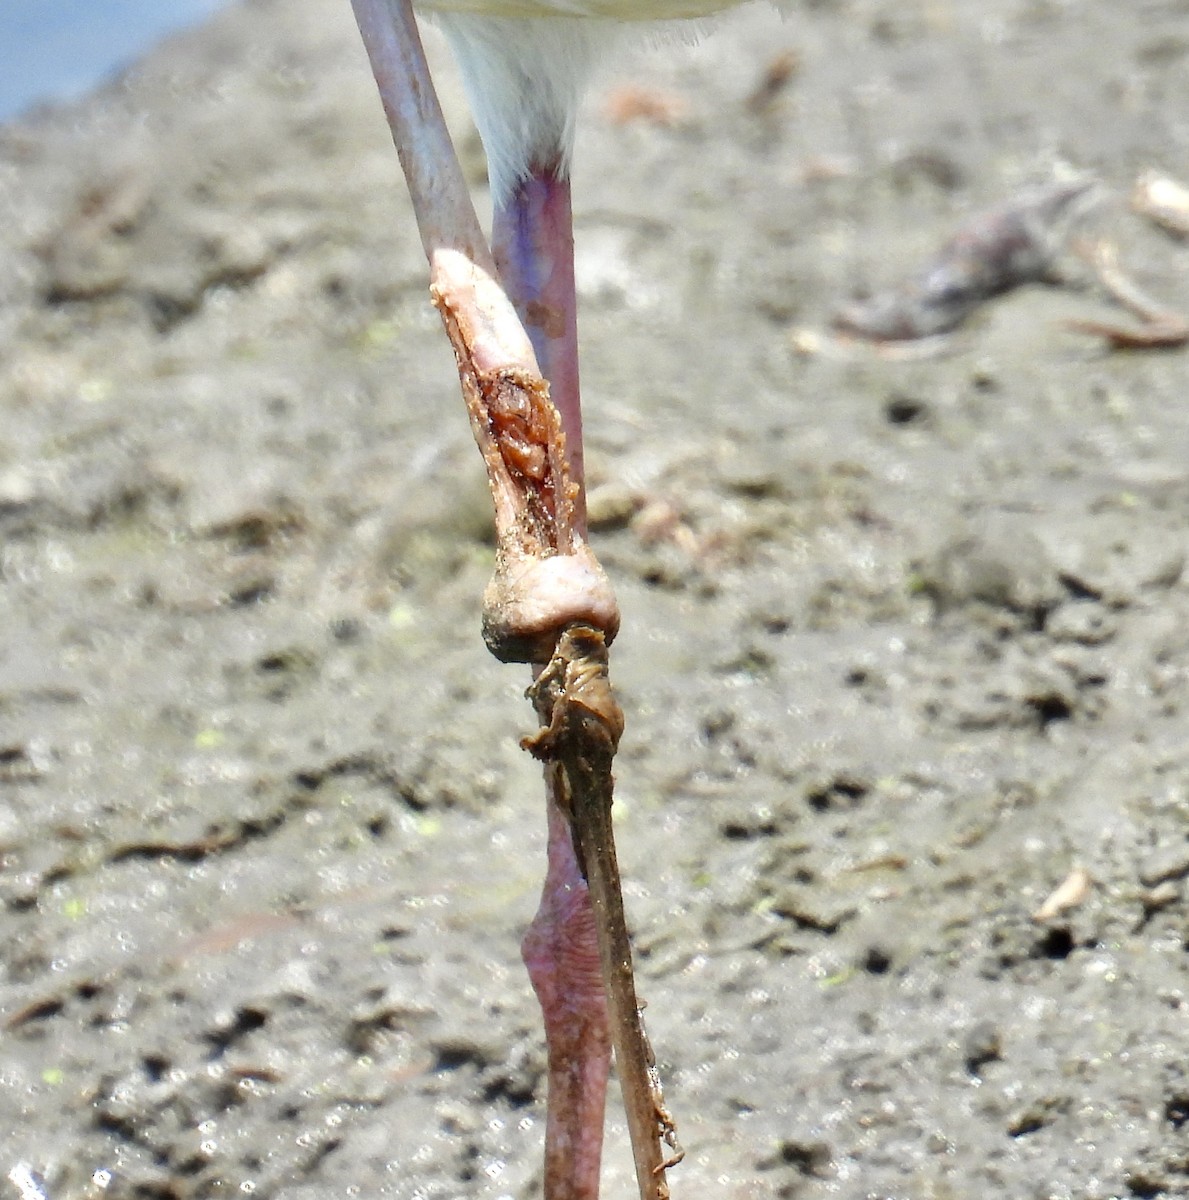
pixel 607 10
pixel 526 63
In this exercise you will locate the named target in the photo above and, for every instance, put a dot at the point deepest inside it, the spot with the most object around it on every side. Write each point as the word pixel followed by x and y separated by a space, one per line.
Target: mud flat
pixel 905 644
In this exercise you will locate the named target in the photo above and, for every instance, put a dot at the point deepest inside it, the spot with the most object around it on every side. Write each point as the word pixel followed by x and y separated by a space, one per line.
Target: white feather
pixel 526 64
pixel 525 79
pixel 605 10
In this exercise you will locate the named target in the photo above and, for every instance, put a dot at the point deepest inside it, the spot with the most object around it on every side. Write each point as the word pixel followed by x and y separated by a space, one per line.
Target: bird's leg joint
pixel 532 601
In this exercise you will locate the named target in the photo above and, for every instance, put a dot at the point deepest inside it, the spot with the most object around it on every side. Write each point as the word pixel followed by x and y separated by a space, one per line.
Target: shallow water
pixel 59 50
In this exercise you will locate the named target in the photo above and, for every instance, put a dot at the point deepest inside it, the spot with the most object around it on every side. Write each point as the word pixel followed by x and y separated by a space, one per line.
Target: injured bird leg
pixel 549 604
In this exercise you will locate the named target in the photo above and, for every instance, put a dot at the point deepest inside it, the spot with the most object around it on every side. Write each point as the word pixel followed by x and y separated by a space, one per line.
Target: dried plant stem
pixel 581 727
pixel 1160 328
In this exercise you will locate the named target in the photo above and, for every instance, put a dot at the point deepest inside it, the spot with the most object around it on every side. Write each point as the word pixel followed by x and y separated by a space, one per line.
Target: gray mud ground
pixel 906 641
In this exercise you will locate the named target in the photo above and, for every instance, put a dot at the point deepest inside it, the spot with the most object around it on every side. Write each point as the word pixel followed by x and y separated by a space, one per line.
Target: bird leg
pixel 532 242
pixel 549 602
pixel 532 239
pixel 546 576
pixel 580 931
pixel 560 950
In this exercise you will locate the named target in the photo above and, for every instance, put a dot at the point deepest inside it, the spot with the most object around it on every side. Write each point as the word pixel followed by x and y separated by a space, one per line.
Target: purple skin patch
pixel 533 242
pixel 533 246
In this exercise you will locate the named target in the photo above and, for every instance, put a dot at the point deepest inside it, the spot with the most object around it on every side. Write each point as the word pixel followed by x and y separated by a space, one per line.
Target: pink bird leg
pixel 561 953
pixel 532 239
pixel 549 602
pixel 533 245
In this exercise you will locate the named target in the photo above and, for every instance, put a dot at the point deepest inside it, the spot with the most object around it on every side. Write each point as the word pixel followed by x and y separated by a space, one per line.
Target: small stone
pixel 981 1046
pixel 17 489
pixel 1162 896
pixel 811 1159
pixel 1169 862
pixel 1083 621
pixel 610 507
pixel 1002 565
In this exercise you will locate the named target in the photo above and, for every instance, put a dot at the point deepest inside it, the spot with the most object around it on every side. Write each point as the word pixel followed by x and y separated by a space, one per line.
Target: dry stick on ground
pixel 1161 328
pixel 549 602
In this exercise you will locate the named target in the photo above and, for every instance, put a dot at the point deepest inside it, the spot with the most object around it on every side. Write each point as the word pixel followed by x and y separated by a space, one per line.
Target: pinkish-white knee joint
pixel 529 601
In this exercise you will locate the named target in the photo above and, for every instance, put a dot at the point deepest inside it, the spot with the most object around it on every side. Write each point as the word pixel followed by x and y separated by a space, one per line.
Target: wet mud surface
pixel 905 641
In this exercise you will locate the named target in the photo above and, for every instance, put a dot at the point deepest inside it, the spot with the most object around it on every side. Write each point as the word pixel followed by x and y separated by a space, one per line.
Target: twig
pixel 1164 201
pixel 581 727
pixel 1160 328
pixel 1155 335
pixel 1070 893
pixel 1104 258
